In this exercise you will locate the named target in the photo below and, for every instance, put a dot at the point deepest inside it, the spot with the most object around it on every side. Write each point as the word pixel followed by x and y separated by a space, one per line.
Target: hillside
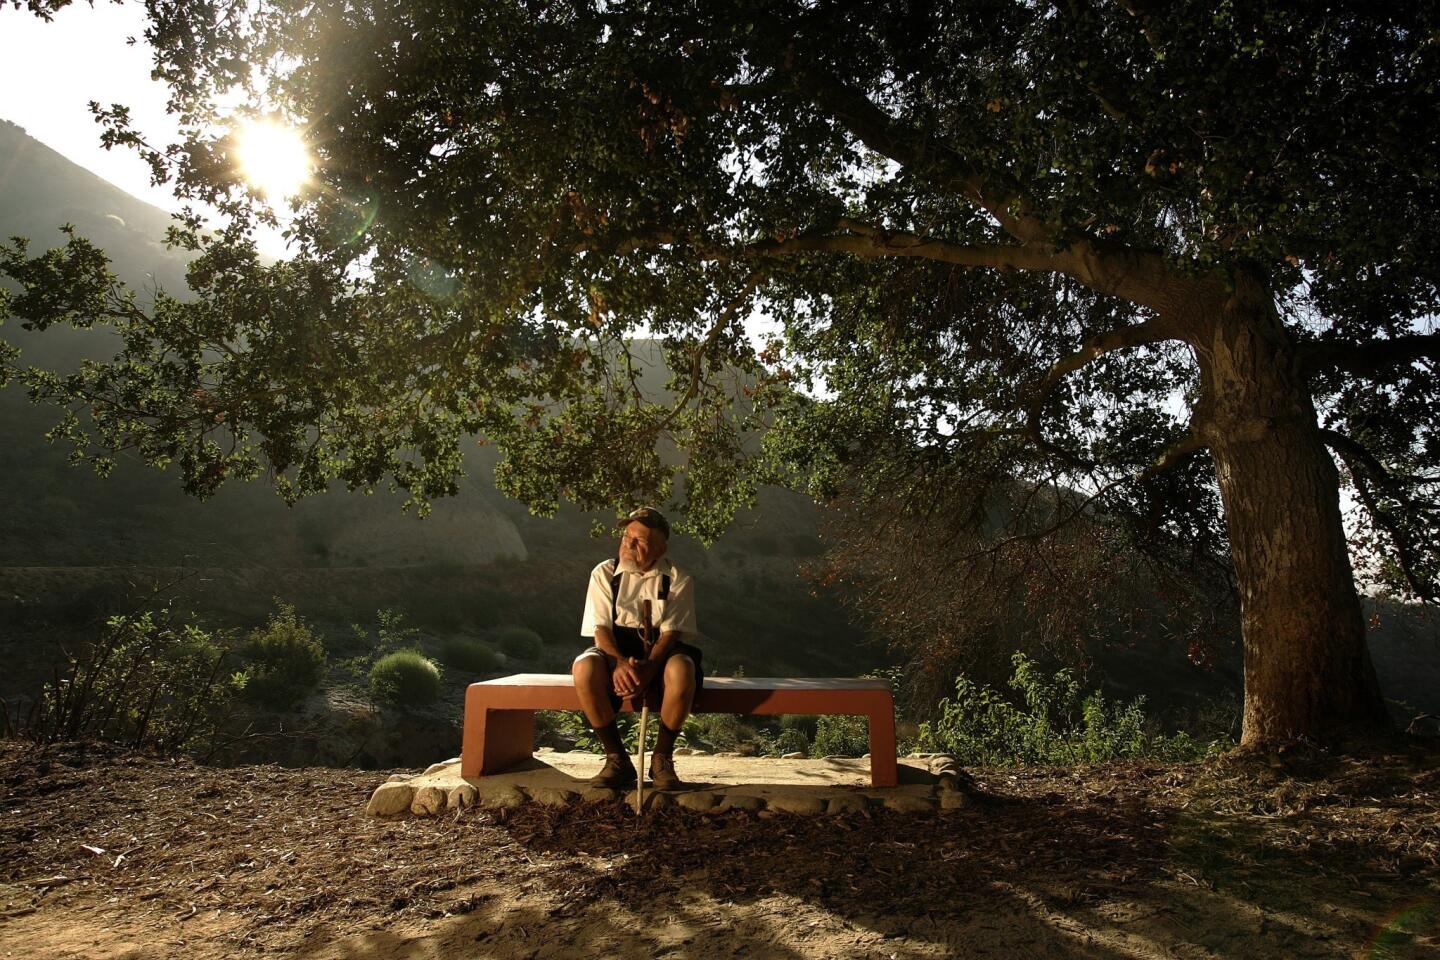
pixel 40 190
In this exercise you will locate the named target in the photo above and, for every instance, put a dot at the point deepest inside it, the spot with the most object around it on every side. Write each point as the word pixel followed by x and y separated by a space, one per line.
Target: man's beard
pixel 629 565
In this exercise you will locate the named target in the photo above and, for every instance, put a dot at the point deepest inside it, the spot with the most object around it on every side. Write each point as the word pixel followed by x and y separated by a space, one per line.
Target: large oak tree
pixel 1179 257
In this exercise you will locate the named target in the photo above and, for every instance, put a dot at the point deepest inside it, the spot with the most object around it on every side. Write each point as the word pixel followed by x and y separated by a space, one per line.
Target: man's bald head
pixel 641 546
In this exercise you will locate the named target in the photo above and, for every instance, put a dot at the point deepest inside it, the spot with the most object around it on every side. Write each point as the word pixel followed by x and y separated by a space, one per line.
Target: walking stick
pixel 644 716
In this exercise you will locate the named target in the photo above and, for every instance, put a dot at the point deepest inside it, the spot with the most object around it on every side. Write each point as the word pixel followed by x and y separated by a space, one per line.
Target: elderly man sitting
pixel 620 664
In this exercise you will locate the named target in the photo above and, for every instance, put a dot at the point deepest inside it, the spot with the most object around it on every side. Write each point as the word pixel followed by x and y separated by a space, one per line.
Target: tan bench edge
pixel 499 726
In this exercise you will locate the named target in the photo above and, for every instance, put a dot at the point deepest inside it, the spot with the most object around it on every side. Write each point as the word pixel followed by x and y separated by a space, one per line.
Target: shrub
pixel 720 731
pixel 803 722
pixel 145 682
pixel 1055 724
pixel 792 740
pixel 470 655
pixel 406 677
pixel 841 736
pixel 519 642
pixel 391 634
pixel 286 659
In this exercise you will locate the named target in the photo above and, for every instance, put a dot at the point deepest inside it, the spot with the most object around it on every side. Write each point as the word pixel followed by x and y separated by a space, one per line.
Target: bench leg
pixel 882 749
pixel 495 740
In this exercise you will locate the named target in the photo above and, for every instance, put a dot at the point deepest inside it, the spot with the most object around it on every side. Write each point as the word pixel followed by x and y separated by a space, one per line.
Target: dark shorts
pixel 629 643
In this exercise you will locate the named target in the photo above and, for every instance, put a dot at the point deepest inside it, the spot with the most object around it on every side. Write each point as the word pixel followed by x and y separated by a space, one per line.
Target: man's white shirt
pixel 677 613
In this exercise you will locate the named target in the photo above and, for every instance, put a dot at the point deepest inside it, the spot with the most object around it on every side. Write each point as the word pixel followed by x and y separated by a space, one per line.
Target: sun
pixel 273 158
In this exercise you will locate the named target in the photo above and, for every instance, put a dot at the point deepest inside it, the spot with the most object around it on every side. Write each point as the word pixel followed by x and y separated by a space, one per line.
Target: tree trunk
pixel 1307 664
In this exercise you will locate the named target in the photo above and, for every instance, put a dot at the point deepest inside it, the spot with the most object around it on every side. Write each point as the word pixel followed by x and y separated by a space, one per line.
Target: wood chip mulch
pixel 287 852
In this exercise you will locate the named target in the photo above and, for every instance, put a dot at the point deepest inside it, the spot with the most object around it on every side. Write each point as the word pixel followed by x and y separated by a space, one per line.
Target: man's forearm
pixel 662 646
pixel 605 640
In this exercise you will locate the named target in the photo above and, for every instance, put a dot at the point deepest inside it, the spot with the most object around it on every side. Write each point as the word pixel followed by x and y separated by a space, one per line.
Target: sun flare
pixel 273 158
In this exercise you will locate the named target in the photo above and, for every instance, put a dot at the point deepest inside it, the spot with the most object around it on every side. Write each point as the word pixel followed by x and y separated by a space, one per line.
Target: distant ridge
pixel 40 189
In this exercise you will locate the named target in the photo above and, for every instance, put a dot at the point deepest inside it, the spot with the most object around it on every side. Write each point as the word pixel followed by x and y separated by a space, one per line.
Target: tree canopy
pixel 1071 244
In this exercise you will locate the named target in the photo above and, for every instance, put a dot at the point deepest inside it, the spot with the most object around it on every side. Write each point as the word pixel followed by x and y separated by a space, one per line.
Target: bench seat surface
pixel 499 713
pixel 745 695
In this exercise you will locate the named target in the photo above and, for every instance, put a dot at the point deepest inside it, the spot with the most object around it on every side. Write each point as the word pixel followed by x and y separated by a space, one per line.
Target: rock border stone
pixel 951 790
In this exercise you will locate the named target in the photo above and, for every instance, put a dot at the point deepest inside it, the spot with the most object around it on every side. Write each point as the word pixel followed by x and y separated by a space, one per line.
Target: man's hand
pixel 625 678
pixel 632 675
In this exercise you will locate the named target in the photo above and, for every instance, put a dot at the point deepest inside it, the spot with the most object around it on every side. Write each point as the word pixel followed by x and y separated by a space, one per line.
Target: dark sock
pixel 665 741
pixel 610 737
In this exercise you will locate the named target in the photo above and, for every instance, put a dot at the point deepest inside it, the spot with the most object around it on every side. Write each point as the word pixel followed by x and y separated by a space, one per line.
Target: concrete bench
pixel 500 713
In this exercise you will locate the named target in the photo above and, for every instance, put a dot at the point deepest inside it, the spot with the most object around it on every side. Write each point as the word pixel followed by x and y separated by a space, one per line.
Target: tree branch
pixel 855 238
pixel 727 316
pixel 1350 449
pixel 887 137
pixel 1174 454
pixel 1370 357
pixel 863 240
pixel 1352 453
pixel 1118 272
pixel 1142 277
pixel 1095 347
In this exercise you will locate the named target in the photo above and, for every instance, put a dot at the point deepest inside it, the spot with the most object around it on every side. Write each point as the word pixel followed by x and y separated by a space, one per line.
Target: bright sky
pixel 50 71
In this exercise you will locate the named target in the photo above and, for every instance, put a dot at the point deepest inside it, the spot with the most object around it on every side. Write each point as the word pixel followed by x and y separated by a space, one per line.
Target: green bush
pixel 792 740
pixel 391 633
pixel 841 736
pixel 286 659
pixel 720 731
pixel 1055 724
pixel 145 682
pixel 406 677
pixel 519 642
pixel 469 655
pixel 803 722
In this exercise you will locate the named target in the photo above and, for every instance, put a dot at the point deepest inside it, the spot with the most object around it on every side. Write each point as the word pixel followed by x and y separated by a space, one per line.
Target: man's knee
pixel 679 672
pixel 587 667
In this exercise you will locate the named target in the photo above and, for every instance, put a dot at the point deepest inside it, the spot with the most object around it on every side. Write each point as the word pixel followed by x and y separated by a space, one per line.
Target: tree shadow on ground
pixel 1120 860
pixel 1111 877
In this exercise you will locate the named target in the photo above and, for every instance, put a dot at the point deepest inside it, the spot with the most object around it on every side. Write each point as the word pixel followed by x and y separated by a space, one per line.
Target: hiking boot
pixel 662 771
pixel 617 773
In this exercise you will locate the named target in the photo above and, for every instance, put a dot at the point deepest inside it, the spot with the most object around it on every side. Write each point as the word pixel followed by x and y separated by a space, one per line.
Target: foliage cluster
pixel 792 740
pixel 390 665
pixel 718 732
pixel 1053 724
pixel 721 731
pixel 405 678
pixel 392 633
pixel 286 659
pixel 1064 596
pixel 146 682
pixel 841 736
pixel 573 726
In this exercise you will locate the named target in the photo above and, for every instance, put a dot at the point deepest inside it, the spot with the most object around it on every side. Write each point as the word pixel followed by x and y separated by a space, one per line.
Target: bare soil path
pixel 106 854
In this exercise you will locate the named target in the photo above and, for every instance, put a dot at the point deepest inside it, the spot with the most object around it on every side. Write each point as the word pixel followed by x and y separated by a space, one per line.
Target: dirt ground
pixel 105 854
